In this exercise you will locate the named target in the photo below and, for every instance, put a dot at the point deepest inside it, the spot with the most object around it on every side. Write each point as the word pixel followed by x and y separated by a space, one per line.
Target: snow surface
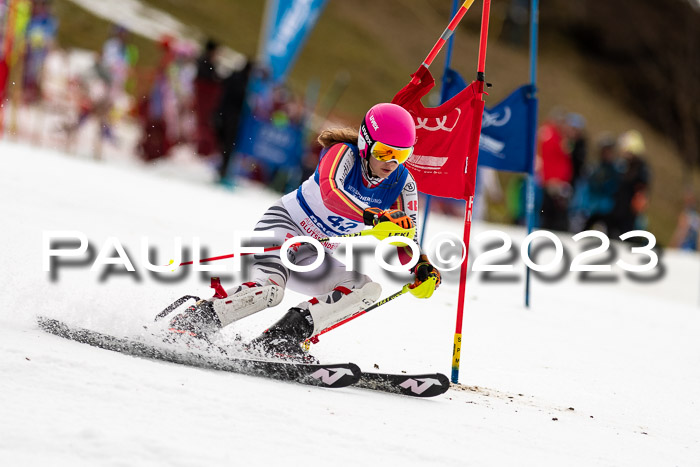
pixel 595 373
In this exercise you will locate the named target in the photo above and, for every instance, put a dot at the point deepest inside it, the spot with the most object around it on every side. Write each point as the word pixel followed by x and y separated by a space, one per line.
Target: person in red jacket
pixel 555 171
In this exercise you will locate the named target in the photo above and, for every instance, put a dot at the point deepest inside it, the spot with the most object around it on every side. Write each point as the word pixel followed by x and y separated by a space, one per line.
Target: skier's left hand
pixel 427 278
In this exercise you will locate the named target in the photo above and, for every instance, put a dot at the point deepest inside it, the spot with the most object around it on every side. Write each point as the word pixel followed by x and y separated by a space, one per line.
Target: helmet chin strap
pixel 367 166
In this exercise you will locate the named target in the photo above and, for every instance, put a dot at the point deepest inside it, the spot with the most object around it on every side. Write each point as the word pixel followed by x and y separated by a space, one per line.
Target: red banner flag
pixel 447 138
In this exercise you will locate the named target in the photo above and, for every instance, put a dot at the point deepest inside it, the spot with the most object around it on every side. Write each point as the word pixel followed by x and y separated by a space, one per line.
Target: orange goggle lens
pixel 386 153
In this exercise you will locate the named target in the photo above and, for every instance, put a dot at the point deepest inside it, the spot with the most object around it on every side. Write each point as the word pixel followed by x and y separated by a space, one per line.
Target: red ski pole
pixel 314 339
pixel 418 287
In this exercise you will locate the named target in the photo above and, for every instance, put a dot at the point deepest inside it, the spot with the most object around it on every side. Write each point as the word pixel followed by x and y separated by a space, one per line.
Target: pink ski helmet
pixel 387 133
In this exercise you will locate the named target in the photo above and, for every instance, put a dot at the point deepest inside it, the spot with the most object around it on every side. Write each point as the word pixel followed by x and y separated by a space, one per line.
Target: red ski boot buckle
pixel 218 289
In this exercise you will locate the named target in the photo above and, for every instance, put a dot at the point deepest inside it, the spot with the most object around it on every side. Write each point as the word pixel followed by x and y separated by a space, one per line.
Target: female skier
pixel 360 180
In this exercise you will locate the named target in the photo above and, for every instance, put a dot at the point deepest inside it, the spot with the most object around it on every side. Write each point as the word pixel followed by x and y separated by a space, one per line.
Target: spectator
pixel 41 36
pixel 207 90
pixel 229 113
pixel 632 195
pixel 554 172
pixel 687 233
pixel 575 129
pixel 155 140
pixel 602 185
pixel 114 63
pixel 92 96
pixel 181 74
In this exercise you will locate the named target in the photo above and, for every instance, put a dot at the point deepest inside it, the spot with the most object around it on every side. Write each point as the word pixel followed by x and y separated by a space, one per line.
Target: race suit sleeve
pixel 333 169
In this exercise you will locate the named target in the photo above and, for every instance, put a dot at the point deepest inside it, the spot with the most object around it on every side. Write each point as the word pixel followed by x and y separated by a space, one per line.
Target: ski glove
pixel 373 216
pixel 427 278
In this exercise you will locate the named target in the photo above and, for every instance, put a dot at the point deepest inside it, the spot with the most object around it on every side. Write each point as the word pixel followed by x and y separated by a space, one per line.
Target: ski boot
pixel 199 321
pixel 283 339
pixel 208 316
pixel 247 299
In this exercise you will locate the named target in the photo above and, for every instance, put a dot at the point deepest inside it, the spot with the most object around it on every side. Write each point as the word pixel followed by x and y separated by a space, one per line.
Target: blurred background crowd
pixel 185 98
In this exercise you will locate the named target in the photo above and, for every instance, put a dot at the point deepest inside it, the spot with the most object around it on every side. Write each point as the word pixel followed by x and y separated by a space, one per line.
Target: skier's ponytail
pixel 332 136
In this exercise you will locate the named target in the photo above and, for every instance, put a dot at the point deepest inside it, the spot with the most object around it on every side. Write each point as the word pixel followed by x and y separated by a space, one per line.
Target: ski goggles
pixel 385 153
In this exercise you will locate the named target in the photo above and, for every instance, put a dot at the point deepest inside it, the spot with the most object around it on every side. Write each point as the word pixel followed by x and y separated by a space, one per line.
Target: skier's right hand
pixel 427 280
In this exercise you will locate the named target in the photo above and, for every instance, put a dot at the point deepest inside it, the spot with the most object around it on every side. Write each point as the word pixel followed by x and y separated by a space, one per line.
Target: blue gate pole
pixel 530 197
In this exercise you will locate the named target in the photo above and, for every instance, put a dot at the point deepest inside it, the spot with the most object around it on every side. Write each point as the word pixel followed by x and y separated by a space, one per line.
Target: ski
pixel 322 375
pixel 427 385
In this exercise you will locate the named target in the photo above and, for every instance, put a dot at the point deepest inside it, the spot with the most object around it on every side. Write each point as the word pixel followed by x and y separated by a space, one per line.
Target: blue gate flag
pixel 288 24
pixel 505 130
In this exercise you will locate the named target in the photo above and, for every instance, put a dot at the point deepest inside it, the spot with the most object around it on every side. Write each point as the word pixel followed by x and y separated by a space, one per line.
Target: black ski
pixel 329 375
pixel 428 385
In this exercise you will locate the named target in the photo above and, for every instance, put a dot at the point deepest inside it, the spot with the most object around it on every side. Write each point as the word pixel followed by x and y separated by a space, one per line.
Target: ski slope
pixel 595 373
